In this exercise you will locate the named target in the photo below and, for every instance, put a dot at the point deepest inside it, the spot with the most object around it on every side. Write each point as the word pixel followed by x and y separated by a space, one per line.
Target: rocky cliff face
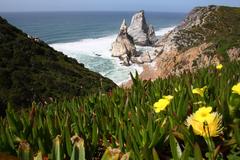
pixel 203 24
pixel 208 35
pixel 190 32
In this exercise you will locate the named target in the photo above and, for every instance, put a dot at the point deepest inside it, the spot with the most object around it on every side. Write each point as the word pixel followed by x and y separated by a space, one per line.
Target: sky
pixel 108 5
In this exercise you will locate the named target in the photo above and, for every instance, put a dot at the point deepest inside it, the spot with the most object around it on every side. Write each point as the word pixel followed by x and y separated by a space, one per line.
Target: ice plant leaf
pixel 155 154
pixel 175 148
pixel 197 152
pixel 57 149
pixel 38 156
pixel 112 154
pixel 78 152
pixel 24 151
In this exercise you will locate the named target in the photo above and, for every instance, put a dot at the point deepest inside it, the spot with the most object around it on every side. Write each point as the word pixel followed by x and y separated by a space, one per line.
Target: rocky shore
pixel 207 36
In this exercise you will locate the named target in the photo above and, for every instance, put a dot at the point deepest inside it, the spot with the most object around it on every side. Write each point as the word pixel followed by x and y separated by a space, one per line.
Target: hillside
pixel 208 35
pixel 191 116
pixel 126 121
pixel 31 70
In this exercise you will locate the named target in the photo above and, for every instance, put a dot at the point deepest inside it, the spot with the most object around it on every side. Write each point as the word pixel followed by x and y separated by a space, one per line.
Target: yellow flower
pixel 219 67
pixel 162 103
pixel 168 97
pixel 236 88
pixel 199 91
pixel 205 123
pixel 203 113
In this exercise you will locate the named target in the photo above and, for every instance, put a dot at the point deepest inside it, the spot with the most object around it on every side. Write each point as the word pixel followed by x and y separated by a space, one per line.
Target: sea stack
pixel 138 33
pixel 123 47
pixel 142 33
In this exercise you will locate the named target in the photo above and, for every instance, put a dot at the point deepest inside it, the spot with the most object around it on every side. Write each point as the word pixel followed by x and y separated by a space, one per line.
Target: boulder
pixel 126 60
pixel 142 34
pixel 151 35
pixel 118 49
pixel 234 54
pixel 137 60
pixel 146 58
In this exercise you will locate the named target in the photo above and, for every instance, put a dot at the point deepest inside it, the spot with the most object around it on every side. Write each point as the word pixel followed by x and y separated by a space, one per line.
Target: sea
pixel 87 36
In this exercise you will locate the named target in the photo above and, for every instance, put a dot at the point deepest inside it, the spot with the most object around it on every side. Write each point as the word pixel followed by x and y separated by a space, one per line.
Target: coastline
pixel 117 72
pixel 88 36
pixel 57 102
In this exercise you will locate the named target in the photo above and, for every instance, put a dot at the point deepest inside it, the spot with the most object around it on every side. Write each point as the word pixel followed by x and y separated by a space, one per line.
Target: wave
pixel 163 31
pixel 93 47
pixel 96 55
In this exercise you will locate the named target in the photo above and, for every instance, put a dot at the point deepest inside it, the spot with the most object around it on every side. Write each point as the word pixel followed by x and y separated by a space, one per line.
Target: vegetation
pixel 226 24
pixel 220 27
pixel 193 116
pixel 31 70
pixel 131 121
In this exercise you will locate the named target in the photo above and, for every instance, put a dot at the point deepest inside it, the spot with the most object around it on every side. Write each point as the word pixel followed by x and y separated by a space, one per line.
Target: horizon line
pixel 131 10
pixel 49 11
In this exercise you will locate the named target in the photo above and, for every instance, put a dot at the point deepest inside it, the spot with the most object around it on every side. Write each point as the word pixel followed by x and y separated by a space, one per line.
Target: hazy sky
pixel 108 5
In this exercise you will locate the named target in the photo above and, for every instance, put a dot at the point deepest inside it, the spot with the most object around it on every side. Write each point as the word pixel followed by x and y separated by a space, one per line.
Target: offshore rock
pixel 151 35
pixel 142 34
pixel 123 47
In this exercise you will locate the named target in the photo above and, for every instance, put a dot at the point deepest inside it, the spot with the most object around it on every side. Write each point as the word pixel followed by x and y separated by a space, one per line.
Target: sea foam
pixel 163 31
pixel 96 55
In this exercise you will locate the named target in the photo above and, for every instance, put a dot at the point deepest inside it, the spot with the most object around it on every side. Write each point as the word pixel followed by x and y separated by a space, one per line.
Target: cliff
pixel 31 70
pixel 208 35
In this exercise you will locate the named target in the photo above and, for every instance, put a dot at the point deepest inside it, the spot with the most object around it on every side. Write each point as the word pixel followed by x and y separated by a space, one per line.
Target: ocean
pixel 87 36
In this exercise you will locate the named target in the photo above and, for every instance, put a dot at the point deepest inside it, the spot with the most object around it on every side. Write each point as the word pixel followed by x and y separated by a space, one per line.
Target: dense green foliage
pixel 126 119
pixel 123 119
pixel 31 70
pixel 224 26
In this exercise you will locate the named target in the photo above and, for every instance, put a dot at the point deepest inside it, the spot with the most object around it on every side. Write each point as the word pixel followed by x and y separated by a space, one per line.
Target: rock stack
pixel 123 47
pixel 142 33
pixel 138 33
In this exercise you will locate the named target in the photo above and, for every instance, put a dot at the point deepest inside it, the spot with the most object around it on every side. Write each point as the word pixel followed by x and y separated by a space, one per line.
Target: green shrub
pixel 125 119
